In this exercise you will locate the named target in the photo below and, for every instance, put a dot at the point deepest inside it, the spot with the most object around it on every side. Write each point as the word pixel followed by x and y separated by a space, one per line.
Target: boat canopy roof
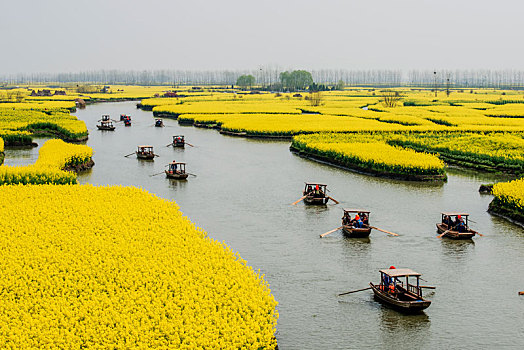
pixel 178 136
pixel 454 213
pixel 177 163
pixel 314 184
pixel 356 210
pixel 146 146
pixel 400 272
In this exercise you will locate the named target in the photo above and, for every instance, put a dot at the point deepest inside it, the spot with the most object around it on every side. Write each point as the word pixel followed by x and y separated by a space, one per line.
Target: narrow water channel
pixel 242 195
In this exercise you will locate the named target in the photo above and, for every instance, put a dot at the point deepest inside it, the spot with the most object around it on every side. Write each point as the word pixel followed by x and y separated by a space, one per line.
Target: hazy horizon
pixel 70 36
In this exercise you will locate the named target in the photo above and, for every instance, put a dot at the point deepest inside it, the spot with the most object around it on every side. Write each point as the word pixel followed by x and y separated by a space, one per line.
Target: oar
pixel 129 154
pixel 298 200
pixel 379 229
pixel 156 155
pixel 187 143
pixel 428 287
pixel 443 233
pixel 327 233
pixel 157 174
pixel 191 174
pixel 521 293
pixel 480 234
pixel 333 199
pixel 171 144
pixel 354 291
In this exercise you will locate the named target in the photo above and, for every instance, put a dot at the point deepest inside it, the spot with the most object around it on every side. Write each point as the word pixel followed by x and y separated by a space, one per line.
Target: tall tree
pixel 245 81
pixel 296 80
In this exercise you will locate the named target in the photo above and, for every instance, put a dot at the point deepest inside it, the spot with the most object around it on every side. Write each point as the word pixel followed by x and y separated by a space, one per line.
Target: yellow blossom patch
pixel 75 274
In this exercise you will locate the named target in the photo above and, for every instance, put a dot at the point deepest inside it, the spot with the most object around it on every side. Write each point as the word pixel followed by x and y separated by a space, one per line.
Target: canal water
pixel 242 195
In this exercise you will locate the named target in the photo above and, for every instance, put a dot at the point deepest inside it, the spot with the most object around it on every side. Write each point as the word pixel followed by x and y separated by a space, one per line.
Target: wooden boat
pixel 315 194
pixel 105 118
pixel 127 122
pixel 145 152
pixel 348 226
pixel 395 293
pixel 176 171
pixel 448 229
pixel 106 125
pixel 178 141
pixel 124 117
pixel 159 123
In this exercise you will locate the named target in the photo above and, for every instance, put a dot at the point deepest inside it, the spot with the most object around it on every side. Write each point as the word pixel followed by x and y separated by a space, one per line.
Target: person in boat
pixel 447 221
pixel 365 220
pixel 346 219
pixel 317 191
pixel 309 190
pixel 459 224
pixel 357 222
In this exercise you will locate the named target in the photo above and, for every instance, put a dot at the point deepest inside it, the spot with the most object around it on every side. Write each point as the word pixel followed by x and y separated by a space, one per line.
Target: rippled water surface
pixel 242 195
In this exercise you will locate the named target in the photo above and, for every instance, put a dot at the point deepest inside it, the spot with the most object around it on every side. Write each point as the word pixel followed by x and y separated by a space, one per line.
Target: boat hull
pixel 409 307
pixel 311 200
pixel 469 234
pixel 176 176
pixel 107 128
pixel 179 144
pixel 145 156
pixel 354 232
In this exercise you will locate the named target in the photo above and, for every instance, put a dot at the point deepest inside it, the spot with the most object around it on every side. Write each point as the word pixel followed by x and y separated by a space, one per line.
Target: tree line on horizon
pixel 271 76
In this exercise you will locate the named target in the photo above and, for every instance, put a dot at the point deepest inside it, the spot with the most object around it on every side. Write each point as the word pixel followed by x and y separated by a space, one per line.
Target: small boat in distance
pixel 315 194
pixel 106 125
pixel 454 225
pixel 176 170
pixel 105 118
pixel 145 152
pixel 350 225
pixel 393 292
pixel 178 141
pixel 124 117
pixel 159 123
pixel 127 122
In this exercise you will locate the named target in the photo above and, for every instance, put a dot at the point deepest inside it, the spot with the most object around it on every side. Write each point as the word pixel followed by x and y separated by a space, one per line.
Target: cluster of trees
pixel 295 80
pixel 326 87
pixel 277 79
pixel 246 81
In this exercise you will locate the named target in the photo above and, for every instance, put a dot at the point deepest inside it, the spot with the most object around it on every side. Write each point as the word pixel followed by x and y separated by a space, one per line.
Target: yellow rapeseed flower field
pixel 75 275
pixel 365 152
pixel 510 194
pixel 53 157
pixel 15 123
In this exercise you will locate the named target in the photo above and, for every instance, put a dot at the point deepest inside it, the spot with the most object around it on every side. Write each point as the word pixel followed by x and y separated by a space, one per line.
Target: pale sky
pixel 71 36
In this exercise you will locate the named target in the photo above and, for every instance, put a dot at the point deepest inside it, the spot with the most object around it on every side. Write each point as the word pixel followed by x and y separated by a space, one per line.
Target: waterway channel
pixel 242 195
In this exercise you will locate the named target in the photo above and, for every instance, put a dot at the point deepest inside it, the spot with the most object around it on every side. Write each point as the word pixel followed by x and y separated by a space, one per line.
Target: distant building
pixel 170 94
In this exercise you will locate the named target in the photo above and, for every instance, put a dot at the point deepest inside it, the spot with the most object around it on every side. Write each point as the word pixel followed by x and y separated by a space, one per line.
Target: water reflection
pixel 457 249
pixel 355 246
pixel 176 184
pixel 414 328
